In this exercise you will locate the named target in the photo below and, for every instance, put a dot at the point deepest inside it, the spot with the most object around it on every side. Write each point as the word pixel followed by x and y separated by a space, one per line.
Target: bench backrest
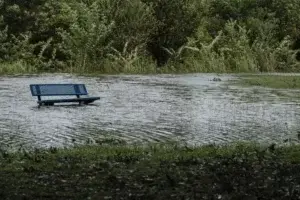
pixel 57 89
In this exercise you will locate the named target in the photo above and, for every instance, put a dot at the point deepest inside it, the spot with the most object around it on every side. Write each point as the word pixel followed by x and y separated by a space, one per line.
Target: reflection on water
pixel 147 108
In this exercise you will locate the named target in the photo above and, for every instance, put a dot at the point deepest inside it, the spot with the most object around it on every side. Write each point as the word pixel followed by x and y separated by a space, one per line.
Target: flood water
pixel 191 108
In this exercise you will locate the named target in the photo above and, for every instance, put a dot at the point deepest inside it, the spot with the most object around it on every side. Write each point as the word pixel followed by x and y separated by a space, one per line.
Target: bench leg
pixel 49 104
pixel 87 102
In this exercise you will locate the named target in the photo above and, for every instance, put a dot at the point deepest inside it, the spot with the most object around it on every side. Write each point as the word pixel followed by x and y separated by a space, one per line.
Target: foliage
pixel 32 28
pixel 180 36
pixel 86 38
pixel 177 21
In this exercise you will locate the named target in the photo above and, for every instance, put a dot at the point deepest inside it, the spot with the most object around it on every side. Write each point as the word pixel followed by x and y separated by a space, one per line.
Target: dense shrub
pixel 177 21
pixel 108 29
pixel 32 28
pixel 122 35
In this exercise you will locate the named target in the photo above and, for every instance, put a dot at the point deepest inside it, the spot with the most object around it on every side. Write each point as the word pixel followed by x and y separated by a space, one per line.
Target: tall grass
pixel 150 36
pixel 18 67
pixel 232 51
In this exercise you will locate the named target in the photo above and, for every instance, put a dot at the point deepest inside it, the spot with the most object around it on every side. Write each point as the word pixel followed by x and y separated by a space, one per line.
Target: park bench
pixel 40 90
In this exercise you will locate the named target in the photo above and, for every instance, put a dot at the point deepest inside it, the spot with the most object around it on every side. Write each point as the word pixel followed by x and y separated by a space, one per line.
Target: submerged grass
pixel 271 81
pixel 157 171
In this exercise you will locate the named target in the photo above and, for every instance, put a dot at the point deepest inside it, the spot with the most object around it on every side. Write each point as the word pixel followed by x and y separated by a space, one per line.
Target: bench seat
pixel 84 100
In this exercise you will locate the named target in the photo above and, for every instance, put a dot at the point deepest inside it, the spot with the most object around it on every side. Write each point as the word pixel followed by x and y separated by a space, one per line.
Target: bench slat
pixel 57 89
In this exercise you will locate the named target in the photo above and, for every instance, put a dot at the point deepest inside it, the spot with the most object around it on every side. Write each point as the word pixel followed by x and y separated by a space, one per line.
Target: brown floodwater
pixel 190 108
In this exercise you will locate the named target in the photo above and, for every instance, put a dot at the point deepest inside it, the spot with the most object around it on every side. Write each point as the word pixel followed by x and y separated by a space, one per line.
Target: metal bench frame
pixel 40 90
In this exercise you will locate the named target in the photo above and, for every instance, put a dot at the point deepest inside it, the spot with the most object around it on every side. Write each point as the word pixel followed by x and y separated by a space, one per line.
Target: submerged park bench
pixel 40 90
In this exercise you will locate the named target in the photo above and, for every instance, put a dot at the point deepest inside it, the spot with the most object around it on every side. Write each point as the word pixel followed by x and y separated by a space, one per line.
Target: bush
pixel 178 19
pixel 183 36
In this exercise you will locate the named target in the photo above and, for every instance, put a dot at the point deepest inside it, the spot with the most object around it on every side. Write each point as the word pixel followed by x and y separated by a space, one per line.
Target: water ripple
pixel 147 108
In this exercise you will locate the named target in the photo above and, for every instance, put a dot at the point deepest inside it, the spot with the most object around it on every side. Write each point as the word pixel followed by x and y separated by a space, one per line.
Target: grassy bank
pixel 109 69
pixel 143 66
pixel 16 68
pixel 271 81
pixel 243 171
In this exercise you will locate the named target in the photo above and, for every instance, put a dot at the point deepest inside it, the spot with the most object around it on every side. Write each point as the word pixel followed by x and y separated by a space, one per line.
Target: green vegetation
pixel 156 171
pixel 18 67
pixel 271 81
pixel 149 36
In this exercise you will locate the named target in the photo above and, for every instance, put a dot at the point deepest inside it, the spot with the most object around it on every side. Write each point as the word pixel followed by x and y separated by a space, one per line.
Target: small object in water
pixel 217 79
pixel 298 135
pixel 250 198
pixel 272 147
pixel 286 140
pixel 225 133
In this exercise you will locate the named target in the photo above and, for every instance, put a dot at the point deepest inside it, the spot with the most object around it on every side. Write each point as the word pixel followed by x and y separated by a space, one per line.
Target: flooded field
pixel 192 108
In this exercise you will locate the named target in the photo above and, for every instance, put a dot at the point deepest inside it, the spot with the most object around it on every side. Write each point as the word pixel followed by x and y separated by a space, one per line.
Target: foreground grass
pixel 152 172
pixel 271 81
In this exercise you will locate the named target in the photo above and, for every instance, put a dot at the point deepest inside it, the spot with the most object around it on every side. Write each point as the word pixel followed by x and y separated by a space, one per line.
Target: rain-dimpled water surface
pixel 192 108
